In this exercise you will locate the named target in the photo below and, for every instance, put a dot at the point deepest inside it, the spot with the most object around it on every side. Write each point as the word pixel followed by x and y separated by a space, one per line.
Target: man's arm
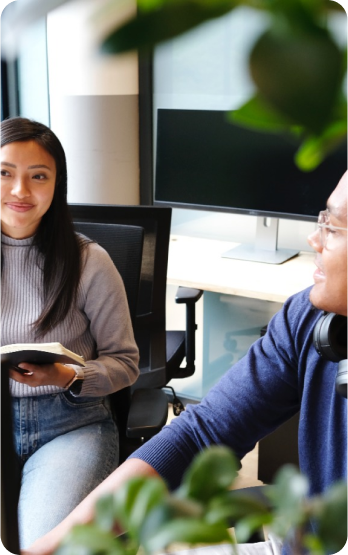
pixel 255 396
pixel 84 512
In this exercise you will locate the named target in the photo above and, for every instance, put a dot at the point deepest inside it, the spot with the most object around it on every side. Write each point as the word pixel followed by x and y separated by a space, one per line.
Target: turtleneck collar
pixel 5 240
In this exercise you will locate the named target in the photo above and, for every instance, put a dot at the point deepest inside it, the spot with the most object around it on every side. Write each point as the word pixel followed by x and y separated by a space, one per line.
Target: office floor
pixel 247 476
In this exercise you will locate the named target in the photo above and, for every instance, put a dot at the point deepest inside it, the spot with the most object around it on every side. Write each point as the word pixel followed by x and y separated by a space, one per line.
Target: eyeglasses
pixel 325 228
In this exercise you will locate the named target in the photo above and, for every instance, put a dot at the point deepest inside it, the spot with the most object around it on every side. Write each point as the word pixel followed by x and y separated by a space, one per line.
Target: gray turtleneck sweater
pixel 98 327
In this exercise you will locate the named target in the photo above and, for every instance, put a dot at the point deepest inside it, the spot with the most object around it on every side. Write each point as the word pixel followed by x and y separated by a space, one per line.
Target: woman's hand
pixel 43 374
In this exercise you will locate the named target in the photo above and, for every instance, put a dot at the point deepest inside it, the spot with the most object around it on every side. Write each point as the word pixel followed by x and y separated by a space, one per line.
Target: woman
pixel 57 286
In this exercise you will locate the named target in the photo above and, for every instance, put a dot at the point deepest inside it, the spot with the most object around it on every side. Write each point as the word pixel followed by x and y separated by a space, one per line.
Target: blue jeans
pixel 65 446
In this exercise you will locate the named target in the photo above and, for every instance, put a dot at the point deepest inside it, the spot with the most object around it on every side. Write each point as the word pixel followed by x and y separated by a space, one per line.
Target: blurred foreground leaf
pixel 135 499
pixel 90 540
pixel 191 532
pixel 151 27
pixel 287 497
pixel 299 73
pixel 332 518
pixel 260 115
pixel 314 149
pixel 156 518
pixel 212 472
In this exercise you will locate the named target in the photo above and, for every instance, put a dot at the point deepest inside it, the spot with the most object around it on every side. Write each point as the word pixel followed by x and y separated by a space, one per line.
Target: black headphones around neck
pixel 330 341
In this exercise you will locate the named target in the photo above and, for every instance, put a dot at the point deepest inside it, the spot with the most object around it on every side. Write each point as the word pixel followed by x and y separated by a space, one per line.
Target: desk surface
pixel 196 262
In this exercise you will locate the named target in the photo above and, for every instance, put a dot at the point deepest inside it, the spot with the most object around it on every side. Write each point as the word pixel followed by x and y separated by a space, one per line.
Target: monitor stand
pixel 265 248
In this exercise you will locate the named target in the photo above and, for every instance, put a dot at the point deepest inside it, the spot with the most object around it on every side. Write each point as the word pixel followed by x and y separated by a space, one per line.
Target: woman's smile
pixel 19 206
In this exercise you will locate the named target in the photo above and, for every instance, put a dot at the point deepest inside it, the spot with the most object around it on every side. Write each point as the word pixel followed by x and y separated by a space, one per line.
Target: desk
pixel 240 298
pixel 197 262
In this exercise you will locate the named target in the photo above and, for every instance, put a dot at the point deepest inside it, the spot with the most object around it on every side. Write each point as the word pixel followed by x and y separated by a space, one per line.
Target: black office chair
pixel 124 244
pixel 161 352
pixel 9 472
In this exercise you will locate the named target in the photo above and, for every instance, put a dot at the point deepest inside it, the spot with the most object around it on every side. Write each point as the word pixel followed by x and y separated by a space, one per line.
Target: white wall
pixel 93 106
pixel 32 73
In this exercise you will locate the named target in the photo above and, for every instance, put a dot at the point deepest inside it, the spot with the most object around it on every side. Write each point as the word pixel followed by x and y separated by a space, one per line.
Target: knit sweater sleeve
pixel 104 301
pixel 254 397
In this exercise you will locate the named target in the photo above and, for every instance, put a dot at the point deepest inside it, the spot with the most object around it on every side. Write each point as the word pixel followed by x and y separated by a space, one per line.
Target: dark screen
pixel 204 161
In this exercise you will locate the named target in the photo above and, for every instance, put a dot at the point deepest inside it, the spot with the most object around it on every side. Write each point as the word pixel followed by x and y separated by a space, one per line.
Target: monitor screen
pixel 205 162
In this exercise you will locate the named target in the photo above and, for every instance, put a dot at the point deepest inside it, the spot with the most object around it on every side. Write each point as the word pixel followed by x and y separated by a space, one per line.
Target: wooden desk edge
pixel 303 262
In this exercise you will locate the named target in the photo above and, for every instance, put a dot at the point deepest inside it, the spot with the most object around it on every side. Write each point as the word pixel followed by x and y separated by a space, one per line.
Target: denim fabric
pixel 66 446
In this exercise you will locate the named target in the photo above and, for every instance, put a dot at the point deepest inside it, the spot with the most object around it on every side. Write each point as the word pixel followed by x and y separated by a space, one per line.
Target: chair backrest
pixel 149 322
pixel 124 243
pixel 9 479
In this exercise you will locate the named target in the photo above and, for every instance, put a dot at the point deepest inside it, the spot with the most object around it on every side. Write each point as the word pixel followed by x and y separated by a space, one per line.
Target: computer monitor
pixel 8 468
pixel 205 162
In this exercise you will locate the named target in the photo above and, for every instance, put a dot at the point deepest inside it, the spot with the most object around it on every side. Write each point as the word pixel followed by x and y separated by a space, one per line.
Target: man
pixel 281 374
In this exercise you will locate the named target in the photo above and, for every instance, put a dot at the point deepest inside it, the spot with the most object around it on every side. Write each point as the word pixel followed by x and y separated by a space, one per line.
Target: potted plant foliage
pixel 202 510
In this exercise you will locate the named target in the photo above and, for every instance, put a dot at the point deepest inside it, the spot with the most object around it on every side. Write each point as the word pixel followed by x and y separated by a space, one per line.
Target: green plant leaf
pixel 124 497
pixel 288 498
pixel 166 511
pixel 310 155
pixel 313 544
pixel 104 513
pixel 259 115
pixel 290 489
pixel 149 28
pixel 149 495
pixel 155 519
pixel 315 148
pixel 149 5
pixel 212 471
pixel 135 498
pixel 246 526
pixel 299 72
pixel 231 506
pixel 88 540
pixel 186 531
pixel 332 518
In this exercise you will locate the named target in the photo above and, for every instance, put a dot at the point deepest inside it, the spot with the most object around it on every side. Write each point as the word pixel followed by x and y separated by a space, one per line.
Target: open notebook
pixel 8 476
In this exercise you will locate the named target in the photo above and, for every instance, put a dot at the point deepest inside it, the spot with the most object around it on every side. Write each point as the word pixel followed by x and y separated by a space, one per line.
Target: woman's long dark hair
pixel 55 238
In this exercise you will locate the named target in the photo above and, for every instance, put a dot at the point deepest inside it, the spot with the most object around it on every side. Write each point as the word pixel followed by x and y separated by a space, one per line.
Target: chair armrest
pixel 148 413
pixel 187 295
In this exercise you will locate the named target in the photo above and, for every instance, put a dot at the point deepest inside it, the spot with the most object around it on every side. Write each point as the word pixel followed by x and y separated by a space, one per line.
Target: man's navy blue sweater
pixel 280 375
